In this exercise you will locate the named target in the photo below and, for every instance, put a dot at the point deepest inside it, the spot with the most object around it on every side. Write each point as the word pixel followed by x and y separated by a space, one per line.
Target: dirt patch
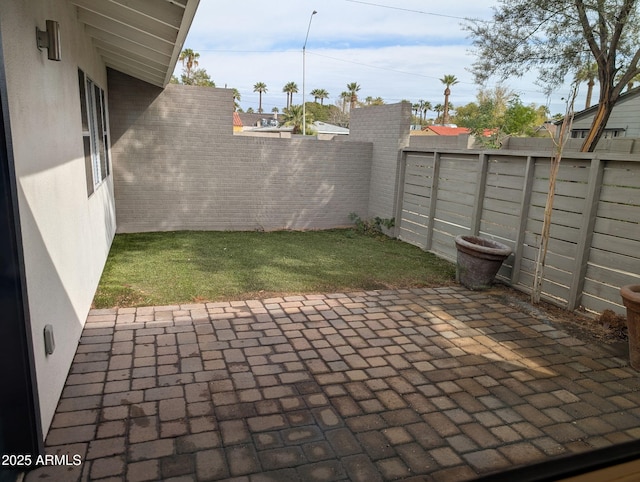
pixel 608 330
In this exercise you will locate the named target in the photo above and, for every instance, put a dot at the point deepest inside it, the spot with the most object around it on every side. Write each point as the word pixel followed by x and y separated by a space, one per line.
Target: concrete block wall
pixel 387 127
pixel 177 166
pixel 441 142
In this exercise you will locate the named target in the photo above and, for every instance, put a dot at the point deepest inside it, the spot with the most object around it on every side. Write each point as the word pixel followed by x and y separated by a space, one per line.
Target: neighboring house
pixel 251 120
pixel 57 208
pixel 237 123
pixel 273 128
pixel 623 122
pixel 449 130
pixel 443 131
pixel 323 128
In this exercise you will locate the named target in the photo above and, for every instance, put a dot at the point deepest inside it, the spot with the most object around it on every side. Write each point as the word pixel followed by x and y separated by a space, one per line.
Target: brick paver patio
pixel 436 384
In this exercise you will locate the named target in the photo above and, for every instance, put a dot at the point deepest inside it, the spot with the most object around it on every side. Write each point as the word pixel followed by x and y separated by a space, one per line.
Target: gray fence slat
pixel 627 247
pixel 501 196
pixel 622 212
pixel 617 261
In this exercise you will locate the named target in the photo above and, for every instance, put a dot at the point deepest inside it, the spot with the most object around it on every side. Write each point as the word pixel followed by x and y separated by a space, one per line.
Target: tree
pixel 319 94
pixel 415 109
pixel 191 75
pixel 374 100
pixel 502 113
pixel 189 59
pixel 236 98
pixel 477 116
pixel 438 108
pixel 260 88
pixel 337 115
pixel 290 88
pixel 293 118
pixel 519 119
pixel 353 88
pixel 559 38
pixel 321 112
pixel 198 77
pixel 345 96
pixel 500 96
pixel 588 73
pixel 565 129
pixel 322 94
pixel 632 82
pixel 487 112
pixel 448 81
pixel 425 106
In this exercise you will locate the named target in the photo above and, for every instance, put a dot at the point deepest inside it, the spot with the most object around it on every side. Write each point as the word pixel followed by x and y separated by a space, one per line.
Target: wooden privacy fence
pixel 594 247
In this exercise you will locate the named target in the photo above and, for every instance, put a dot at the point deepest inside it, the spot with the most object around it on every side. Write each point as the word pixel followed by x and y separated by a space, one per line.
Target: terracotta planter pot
pixel 479 260
pixel 631 299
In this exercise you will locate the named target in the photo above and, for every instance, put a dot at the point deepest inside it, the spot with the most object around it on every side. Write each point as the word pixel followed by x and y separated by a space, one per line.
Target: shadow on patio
pixel 438 384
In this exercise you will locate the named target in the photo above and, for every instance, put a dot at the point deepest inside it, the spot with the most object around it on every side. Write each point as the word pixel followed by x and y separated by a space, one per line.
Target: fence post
pixel 481 184
pixel 400 193
pixel 596 173
pixel 525 202
pixel 433 199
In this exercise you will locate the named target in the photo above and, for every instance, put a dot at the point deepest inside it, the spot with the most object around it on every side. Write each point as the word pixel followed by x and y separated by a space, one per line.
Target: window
pixel 95 134
pixel 579 133
pixel 606 134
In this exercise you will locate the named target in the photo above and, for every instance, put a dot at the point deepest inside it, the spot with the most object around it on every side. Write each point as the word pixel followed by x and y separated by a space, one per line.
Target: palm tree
pixel 588 73
pixel 419 107
pixel 416 108
pixel 260 88
pixel 438 108
pixel 448 81
pixel 417 112
pixel 290 88
pixel 322 94
pixel 345 96
pixel 353 89
pixel 426 107
pixel 293 117
pixel 236 98
pixel 189 60
pixel 316 95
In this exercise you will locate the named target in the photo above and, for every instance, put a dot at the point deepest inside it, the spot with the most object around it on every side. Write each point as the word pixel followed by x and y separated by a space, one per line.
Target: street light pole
pixel 304 49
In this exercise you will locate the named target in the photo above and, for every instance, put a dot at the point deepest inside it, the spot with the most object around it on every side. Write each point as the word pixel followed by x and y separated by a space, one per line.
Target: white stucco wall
pixel 66 234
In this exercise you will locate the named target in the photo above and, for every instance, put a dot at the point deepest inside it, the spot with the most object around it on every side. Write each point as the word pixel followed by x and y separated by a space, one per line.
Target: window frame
pixel 95 132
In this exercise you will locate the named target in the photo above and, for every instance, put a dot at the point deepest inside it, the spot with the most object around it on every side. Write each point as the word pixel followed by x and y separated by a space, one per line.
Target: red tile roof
pixel 448 131
pixel 236 120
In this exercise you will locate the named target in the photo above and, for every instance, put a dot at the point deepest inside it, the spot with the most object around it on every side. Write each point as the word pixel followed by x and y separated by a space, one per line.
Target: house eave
pixel 141 38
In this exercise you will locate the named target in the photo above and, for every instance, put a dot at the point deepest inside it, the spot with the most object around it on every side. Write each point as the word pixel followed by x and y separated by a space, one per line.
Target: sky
pixel 394 49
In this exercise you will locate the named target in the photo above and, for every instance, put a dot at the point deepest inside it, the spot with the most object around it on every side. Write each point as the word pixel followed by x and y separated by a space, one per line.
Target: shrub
pixel 371 227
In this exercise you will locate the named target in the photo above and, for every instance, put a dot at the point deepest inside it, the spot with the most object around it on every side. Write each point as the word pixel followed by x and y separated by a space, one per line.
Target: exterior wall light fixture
pixel 50 39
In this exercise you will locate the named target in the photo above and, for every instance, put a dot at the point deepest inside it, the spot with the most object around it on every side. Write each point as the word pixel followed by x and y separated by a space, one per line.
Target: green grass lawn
pixel 185 267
